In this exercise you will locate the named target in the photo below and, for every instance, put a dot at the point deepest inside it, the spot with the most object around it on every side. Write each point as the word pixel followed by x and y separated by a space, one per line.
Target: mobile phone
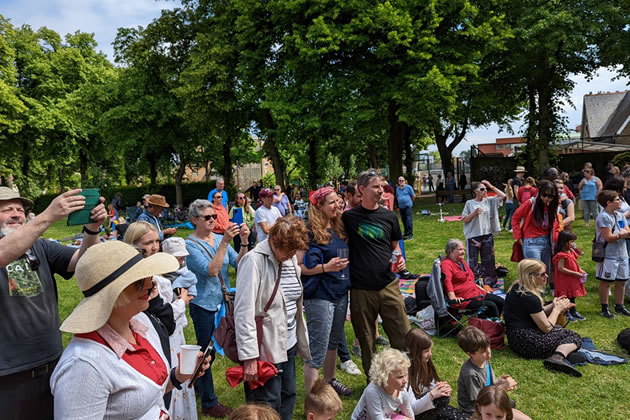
pixel 237 215
pixel 200 363
pixel 83 216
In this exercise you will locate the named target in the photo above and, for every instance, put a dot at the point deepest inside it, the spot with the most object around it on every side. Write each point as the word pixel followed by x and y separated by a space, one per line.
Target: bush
pixel 132 194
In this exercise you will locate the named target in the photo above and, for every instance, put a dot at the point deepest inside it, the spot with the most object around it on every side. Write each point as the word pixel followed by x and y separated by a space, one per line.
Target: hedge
pixel 131 194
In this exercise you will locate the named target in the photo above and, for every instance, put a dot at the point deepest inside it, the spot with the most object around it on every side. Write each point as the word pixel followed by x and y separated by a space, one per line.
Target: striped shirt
pixel 292 291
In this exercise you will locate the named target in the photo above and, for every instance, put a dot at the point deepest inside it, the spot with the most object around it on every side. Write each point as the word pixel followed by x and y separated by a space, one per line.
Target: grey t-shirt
pixel 485 223
pixel 615 222
pixel 470 381
pixel 30 334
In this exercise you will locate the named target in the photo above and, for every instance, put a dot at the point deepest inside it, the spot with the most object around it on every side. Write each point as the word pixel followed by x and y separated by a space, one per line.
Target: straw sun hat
pixel 102 273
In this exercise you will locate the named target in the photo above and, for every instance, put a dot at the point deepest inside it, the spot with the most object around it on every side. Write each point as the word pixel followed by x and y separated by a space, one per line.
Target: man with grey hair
pixel 30 341
pixel 219 189
pixel 373 235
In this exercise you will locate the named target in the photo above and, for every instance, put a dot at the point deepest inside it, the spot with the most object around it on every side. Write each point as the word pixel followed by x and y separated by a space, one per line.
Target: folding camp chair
pixel 131 214
pixel 448 319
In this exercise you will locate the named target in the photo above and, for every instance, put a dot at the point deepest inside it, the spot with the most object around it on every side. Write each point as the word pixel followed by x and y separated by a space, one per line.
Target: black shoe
pixel 578 316
pixel 622 311
pixel 576 358
pixel 607 314
pixel 561 366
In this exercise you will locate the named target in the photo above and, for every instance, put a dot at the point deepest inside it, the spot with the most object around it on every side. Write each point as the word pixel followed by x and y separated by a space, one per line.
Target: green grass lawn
pixel 599 394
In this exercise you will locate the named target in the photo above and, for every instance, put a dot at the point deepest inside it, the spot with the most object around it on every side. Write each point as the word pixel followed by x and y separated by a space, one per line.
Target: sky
pixel 104 17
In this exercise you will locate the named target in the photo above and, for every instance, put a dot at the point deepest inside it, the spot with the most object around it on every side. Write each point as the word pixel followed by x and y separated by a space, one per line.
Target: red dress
pixel 460 281
pixel 566 284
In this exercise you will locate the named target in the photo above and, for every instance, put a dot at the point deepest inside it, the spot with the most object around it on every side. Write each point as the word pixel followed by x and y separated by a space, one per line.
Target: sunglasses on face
pixel 207 217
pixel 547 195
pixel 217 196
pixel 481 189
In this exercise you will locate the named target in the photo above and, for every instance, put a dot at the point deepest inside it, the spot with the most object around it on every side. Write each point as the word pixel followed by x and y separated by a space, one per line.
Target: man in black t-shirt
pixel 373 234
pixel 517 182
pixel 30 340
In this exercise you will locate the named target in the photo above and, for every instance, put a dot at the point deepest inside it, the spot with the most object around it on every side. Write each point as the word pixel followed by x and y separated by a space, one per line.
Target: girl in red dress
pixel 570 278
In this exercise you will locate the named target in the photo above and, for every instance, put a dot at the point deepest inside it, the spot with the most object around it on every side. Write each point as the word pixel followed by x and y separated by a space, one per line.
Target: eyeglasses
pixel 207 217
pixel 31 259
pixel 481 189
pixel 217 196
pixel 240 198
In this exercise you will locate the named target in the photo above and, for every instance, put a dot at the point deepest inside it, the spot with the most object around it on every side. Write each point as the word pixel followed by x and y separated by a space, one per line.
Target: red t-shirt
pixel 461 282
pixel 144 358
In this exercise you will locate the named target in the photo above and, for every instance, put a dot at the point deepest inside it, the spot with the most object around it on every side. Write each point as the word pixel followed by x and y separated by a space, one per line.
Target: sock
pixel 605 307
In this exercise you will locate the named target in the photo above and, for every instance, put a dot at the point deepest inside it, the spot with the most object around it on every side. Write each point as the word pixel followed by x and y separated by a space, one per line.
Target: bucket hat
pixel 7 193
pixel 520 169
pixel 102 273
pixel 158 200
pixel 175 246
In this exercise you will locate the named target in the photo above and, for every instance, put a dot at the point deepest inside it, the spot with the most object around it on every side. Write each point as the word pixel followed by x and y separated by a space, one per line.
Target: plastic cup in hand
pixel 342 253
pixel 188 358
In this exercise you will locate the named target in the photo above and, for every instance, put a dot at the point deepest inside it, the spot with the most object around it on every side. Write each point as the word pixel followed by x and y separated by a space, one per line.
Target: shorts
pixel 612 270
pixel 325 321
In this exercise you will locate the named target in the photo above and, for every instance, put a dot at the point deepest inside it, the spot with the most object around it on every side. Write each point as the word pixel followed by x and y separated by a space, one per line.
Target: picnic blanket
pixel 408 286
pixel 453 218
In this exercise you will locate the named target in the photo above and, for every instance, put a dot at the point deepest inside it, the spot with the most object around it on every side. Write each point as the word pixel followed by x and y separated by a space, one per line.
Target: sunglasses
pixel 207 217
pixel 217 196
pixel 481 189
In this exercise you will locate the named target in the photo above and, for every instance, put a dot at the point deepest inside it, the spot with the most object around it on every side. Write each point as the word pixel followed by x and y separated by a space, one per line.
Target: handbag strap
pixel 223 288
pixel 275 289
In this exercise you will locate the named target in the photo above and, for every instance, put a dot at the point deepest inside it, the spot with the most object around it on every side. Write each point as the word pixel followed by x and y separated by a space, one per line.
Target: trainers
pixel 607 314
pixel 350 367
pixel 340 388
pixel 218 411
pixel 356 350
pixel 578 316
pixel 622 311
pixel 380 340
pixel 569 317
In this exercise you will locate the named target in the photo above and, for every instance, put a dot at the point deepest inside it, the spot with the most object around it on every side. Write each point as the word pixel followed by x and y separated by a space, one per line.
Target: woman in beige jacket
pixel 284 328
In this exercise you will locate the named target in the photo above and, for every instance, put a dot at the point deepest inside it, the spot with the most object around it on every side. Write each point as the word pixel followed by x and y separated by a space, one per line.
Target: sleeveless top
pixel 589 189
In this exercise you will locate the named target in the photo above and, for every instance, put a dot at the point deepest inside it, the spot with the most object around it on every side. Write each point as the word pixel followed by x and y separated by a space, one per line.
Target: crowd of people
pixel 339 258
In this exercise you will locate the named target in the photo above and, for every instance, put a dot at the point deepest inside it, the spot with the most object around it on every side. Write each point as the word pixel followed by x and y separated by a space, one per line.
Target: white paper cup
pixel 188 358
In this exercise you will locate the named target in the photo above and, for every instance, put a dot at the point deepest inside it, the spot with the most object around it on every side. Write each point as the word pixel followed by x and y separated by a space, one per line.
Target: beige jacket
pixel 255 280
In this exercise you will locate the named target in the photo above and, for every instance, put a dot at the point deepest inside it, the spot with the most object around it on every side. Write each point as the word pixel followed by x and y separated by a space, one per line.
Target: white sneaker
pixel 350 368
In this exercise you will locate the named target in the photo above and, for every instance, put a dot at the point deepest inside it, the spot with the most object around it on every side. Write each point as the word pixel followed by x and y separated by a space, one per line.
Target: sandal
pixel 561 366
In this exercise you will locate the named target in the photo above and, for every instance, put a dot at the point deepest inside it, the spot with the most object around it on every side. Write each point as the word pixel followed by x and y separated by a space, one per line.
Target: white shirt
pixel 263 214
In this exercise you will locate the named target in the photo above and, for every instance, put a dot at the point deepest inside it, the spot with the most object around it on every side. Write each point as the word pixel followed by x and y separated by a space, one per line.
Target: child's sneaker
pixel 340 388
pixel 578 316
pixel 569 317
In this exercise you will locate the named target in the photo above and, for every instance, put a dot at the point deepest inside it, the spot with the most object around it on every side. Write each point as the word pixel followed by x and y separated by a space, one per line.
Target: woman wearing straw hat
pixel 114 366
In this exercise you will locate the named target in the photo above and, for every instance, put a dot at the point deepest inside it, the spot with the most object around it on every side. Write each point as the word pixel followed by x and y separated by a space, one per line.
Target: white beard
pixel 4 231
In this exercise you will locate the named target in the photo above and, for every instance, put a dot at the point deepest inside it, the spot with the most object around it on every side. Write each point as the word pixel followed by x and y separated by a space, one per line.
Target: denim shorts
pixel 325 320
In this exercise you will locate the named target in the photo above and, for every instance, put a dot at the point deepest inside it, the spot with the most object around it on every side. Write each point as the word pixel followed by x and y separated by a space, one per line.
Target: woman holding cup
pixel 326 283
pixel 114 367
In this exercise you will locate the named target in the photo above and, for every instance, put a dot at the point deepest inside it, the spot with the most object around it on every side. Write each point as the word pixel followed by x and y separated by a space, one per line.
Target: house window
pixel 499 147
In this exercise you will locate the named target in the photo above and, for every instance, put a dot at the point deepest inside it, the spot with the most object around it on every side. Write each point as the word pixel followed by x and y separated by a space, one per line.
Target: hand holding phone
pixel 200 364
pixel 84 215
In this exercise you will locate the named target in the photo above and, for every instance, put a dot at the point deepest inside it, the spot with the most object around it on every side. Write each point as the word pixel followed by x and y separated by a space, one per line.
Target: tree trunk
pixel 83 167
pixel 445 151
pixel 372 157
pixel 152 170
pixel 60 174
pixel 179 175
pixel 546 123
pixel 408 157
pixel 313 174
pixel 227 162
pixel 398 130
pixel 279 167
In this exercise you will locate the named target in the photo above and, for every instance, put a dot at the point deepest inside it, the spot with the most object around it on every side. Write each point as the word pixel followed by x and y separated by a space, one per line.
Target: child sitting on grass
pixel 476 373
pixel 493 403
pixel 322 402
pixel 568 274
pixel 387 395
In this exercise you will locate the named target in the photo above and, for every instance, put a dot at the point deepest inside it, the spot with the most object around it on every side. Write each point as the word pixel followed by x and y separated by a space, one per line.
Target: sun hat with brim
pixel 520 169
pixel 158 200
pixel 7 193
pixel 102 273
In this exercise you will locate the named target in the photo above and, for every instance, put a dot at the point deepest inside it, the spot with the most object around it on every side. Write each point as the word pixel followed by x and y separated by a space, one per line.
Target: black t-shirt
pixel 30 334
pixel 518 308
pixel 516 182
pixel 370 236
pixel 254 192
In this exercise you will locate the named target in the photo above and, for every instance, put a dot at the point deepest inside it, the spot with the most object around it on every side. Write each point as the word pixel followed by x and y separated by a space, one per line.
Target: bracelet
pixel 91 232
pixel 244 246
pixel 174 380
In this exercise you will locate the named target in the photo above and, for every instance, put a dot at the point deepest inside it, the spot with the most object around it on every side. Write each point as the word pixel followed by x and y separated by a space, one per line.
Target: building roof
pixel 603 110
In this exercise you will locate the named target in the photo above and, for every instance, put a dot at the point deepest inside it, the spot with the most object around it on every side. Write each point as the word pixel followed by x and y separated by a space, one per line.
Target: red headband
pixel 319 195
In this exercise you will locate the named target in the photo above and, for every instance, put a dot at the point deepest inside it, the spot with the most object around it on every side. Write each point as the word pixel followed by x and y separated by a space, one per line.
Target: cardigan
pixel 91 381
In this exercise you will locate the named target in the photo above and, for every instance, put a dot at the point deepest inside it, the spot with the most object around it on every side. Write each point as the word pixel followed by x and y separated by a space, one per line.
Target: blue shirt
pixel 209 293
pixel 329 285
pixel 149 218
pixel 589 189
pixel 224 200
pixel 405 196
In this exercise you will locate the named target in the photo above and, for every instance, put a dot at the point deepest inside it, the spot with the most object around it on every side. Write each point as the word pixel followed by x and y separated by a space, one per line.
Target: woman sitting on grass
pixel 531 326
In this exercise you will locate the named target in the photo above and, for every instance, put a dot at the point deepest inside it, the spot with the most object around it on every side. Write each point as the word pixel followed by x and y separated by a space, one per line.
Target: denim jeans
pixel 325 321
pixel 406 215
pixel 342 350
pixel 278 392
pixel 203 321
pixel 509 211
pixel 538 248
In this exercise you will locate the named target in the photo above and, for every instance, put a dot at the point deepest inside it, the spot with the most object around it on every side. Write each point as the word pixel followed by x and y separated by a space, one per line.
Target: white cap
pixel 175 247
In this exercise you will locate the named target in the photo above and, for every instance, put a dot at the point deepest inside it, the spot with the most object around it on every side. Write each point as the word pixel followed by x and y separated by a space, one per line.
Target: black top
pixel 518 308
pixel 370 236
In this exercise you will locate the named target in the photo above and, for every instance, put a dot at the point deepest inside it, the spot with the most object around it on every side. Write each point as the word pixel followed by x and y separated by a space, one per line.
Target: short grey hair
pixel 197 207
pixel 451 245
pixel 626 173
pixel 366 176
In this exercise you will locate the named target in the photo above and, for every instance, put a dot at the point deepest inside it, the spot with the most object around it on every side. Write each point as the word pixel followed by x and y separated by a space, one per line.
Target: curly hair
pixel 289 233
pixel 318 223
pixel 420 374
pixel 527 270
pixel 387 362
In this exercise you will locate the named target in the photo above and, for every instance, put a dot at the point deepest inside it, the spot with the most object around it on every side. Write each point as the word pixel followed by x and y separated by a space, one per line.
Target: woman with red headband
pixel 326 281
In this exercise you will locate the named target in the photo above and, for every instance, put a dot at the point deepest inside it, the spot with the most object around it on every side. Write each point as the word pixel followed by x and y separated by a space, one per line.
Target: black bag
pixel 599 248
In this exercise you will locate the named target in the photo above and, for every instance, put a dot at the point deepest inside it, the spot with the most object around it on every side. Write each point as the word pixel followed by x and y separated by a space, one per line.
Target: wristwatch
pixel 91 232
